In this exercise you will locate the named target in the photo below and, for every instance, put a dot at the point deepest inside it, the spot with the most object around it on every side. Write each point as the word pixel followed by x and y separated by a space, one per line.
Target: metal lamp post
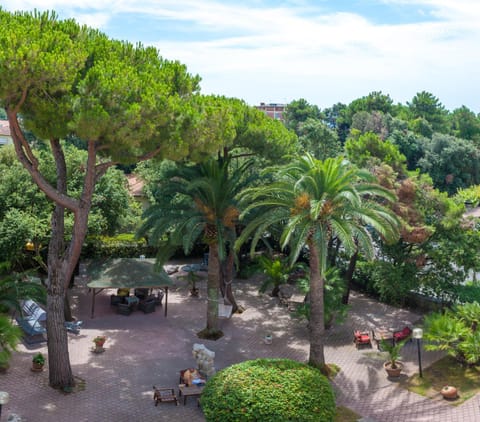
pixel 4 396
pixel 418 334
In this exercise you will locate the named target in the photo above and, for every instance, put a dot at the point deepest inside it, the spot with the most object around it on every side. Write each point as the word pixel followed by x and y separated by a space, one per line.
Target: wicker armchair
pixel 124 309
pixel 147 305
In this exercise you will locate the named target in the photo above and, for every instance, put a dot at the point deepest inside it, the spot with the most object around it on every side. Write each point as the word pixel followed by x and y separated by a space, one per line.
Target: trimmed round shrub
pixel 276 390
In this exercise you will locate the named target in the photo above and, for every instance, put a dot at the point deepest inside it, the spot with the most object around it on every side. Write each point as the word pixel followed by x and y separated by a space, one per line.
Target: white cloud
pixel 269 53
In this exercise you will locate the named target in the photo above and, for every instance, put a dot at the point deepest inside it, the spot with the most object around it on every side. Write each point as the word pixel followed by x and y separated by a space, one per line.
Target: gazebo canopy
pixel 126 272
pixel 116 273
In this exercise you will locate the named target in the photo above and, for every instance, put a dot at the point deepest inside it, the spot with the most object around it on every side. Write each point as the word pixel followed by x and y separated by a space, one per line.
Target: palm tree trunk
pixel 349 277
pixel 317 311
pixel 227 279
pixel 212 331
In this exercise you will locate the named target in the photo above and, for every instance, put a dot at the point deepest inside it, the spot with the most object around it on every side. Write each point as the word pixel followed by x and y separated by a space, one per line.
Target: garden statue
pixel 204 358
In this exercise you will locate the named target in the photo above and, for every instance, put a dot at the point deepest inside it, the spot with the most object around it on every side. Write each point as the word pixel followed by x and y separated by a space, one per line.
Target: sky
pixel 325 51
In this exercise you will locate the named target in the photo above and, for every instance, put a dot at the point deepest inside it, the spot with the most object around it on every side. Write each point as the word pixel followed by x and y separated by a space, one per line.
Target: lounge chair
pixel 361 338
pixel 403 334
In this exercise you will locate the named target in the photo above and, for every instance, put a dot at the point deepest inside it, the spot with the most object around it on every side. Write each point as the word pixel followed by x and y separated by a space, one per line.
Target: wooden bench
pixel 30 321
pixel 164 395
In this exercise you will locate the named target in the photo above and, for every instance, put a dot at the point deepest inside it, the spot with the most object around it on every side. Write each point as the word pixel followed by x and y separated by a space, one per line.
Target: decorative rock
pixel 13 417
pixel 204 358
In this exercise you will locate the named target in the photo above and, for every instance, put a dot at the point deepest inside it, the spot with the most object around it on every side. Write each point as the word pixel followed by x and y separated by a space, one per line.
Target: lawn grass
pixel 446 371
pixel 344 414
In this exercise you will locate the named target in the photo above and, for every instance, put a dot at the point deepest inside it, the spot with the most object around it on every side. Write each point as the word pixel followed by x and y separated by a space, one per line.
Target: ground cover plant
pixel 344 414
pixel 268 390
pixel 456 332
pixel 446 371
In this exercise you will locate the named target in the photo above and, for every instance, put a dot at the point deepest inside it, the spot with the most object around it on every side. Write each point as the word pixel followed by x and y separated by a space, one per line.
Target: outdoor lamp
pixel 4 396
pixel 418 334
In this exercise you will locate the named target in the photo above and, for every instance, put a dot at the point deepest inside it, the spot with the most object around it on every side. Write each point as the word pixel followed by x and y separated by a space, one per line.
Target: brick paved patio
pixel 143 350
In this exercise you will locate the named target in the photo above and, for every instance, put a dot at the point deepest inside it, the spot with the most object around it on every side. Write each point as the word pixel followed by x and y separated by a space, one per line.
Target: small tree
pixel 393 350
pixel 276 270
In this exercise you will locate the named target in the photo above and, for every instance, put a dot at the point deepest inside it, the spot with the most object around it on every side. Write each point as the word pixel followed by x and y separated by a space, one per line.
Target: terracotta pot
pixel 393 372
pixel 99 343
pixel 449 392
pixel 37 367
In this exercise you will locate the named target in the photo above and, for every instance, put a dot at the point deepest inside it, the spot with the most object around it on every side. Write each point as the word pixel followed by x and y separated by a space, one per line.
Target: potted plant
pixel 38 362
pixel 393 366
pixel 99 341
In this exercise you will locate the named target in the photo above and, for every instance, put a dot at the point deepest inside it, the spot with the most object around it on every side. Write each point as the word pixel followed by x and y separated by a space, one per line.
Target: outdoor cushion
pixel 123 292
pixel 361 337
pixel 402 334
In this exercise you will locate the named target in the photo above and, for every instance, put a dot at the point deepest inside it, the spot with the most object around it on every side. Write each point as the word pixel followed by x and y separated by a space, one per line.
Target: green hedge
pixel 120 246
pixel 264 390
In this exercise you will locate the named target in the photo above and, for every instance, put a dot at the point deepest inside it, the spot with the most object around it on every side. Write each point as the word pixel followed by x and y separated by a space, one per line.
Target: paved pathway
pixel 143 350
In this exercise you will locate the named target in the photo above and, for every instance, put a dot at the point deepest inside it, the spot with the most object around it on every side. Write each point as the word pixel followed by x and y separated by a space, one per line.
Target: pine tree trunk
pixel 60 371
pixel 61 258
pixel 317 311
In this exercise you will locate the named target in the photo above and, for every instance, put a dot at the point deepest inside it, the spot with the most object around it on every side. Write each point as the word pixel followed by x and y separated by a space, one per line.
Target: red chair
pixel 361 338
pixel 403 334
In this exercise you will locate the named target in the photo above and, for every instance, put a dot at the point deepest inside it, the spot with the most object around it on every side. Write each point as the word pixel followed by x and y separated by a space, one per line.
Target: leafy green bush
pixel 10 336
pixel 335 310
pixel 456 332
pixel 265 390
pixel 388 281
pixel 121 246
pixel 276 270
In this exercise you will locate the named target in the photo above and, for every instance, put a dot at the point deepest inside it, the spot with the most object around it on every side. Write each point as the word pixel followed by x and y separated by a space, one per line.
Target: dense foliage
pixel 268 390
pixel 456 332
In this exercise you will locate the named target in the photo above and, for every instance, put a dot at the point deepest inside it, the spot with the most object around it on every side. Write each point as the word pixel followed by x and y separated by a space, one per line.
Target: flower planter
pixel 38 362
pixel 99 341
pixel 449 392
pixel 37 367
pixel 393 372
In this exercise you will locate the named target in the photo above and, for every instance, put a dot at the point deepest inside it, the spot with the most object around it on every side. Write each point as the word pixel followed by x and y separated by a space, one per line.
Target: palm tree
pixel 193 202
pixel 313 201
pixel 10 336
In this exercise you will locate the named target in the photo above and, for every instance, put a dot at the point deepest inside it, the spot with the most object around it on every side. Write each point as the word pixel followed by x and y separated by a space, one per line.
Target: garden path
pixel 143 350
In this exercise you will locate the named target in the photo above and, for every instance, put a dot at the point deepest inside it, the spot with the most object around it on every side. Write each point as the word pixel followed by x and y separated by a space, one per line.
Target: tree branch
pixel 30 163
